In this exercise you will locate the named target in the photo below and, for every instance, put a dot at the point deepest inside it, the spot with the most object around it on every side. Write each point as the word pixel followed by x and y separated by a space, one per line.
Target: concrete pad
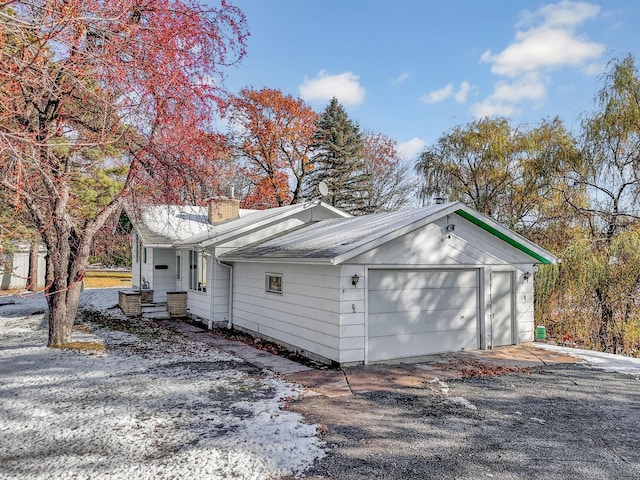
pixel 520 356
pixel 330 383
pixel 370 378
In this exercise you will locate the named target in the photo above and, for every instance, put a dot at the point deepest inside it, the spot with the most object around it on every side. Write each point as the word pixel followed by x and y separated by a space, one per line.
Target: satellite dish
pixel 322 187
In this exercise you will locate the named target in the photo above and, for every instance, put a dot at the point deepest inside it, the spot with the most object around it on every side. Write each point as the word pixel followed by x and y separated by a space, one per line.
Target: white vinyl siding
pixel 306 315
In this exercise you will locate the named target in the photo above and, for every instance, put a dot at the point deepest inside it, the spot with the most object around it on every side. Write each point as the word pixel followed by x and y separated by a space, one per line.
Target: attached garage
pixel 421 312
pixel 395 285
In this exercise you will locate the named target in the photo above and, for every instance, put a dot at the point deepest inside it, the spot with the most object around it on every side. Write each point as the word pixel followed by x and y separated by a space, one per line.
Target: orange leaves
pixel 272 134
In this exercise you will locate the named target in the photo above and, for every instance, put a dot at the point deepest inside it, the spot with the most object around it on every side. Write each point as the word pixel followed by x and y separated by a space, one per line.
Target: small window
pixel 144 255
pixel 273 283
pixel 178 267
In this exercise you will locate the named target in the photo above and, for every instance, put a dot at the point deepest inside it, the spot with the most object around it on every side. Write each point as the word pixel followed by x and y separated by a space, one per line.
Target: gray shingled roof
pixel 230 226
pixel 328 239
pixel 168 224
pixel 165 224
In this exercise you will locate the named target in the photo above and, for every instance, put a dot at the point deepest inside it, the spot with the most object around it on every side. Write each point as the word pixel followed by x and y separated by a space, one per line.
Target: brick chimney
pixel 222 209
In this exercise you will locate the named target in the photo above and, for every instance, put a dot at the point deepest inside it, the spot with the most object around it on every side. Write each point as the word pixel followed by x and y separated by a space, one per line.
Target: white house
pixel 355 289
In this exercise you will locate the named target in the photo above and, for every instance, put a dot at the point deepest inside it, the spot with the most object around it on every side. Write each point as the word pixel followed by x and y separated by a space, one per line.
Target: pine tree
pixel 338 161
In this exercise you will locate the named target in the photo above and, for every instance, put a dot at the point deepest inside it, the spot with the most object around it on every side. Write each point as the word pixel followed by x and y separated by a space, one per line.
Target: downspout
pixel 212 290
pixel 139 248
pixel 230 267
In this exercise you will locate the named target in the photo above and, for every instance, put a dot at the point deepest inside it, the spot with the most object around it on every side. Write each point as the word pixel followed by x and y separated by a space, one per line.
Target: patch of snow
pixel 462 402
pixel 538 420
pixel 444 388
pixel 154 405
pixel 608 362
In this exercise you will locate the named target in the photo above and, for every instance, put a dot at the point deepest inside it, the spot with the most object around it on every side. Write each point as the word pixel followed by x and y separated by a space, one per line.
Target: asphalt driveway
pixel 560 421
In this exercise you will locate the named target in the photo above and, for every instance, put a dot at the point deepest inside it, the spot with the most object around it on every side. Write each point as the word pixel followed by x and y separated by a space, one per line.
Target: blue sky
pixel 413 69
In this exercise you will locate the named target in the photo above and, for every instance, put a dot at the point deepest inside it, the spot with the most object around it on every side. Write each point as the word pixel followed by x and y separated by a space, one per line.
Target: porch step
pixel 156 315
pixel 153 307
pixel 155 310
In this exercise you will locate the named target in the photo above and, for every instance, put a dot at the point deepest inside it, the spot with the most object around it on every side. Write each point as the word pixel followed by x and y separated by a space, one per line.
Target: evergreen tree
pixel 338 161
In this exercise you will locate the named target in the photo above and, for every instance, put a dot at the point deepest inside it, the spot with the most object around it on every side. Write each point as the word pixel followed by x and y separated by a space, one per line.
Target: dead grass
pixel 95 347
pixel 107 279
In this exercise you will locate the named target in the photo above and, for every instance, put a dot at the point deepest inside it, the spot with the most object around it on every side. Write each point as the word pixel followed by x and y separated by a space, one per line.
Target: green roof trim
pixel 493 231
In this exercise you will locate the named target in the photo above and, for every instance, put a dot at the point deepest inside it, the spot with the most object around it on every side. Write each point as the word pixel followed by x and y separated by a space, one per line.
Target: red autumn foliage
pixel 119 90
pixel 272 134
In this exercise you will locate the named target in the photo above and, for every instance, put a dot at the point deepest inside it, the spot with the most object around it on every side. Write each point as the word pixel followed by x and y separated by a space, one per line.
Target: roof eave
pixel 300 260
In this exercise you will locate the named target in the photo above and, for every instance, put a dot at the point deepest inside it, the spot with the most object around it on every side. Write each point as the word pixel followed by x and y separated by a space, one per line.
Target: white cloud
pixel 527 87
pixel 344 86
pixel 439 95
pixel 403 77
pixel 542 48
pixel 411 149
pixel 490 108
pixel 463 92
pixel 545 40
pixel 562 14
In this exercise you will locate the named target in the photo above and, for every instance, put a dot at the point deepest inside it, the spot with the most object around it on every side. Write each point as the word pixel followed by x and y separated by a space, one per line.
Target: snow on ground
pixel 608 362
pixel 155 405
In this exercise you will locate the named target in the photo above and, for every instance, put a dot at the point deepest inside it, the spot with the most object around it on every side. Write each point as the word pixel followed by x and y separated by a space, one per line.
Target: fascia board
pixel 307 261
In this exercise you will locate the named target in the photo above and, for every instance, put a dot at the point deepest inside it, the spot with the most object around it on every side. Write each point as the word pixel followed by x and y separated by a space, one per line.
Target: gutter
pixel 230 268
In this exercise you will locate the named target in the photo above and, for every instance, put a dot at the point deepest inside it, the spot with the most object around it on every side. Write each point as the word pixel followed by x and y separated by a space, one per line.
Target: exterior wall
pixel 306 314
pixel 525 322
pixel 352 313
pixel 220 292
pixel 141 268
pixel 198 303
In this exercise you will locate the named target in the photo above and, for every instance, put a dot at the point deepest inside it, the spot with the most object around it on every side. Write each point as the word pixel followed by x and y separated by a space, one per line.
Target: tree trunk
pixel 63 298
pixel 606 319
pixel 32 277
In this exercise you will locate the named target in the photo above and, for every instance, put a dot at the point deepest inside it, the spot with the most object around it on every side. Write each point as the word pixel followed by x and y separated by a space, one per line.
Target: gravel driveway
pixel 559 422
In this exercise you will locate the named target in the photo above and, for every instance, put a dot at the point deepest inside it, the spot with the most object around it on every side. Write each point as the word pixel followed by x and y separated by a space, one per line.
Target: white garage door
pixel 420 312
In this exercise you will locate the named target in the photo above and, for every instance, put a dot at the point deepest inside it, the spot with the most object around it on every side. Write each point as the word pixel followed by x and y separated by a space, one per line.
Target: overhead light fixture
pixel 526 276
pixel 355 279
pixel 450 227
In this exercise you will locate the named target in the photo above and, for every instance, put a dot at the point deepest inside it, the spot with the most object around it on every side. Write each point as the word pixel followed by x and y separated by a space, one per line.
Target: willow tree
pixel 602 272
pixel 515 175
pixel 121 91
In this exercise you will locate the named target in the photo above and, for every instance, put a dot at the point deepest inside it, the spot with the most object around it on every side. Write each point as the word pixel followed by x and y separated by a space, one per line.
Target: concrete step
pixel 160 315
pixel 151 307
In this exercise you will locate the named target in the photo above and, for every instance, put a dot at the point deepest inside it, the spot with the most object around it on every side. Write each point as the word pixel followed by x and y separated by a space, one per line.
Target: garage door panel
pixel 381 324
pixel 414 313
pixel 416 345
pixel 410 279
pixel 421 299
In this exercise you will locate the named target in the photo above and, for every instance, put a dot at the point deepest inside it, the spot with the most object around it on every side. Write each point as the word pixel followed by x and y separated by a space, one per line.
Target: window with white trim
pixel 197 271
pixel 273 283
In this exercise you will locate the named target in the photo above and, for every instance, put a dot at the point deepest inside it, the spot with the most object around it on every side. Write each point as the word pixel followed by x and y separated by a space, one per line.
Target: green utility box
pixel 541 332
